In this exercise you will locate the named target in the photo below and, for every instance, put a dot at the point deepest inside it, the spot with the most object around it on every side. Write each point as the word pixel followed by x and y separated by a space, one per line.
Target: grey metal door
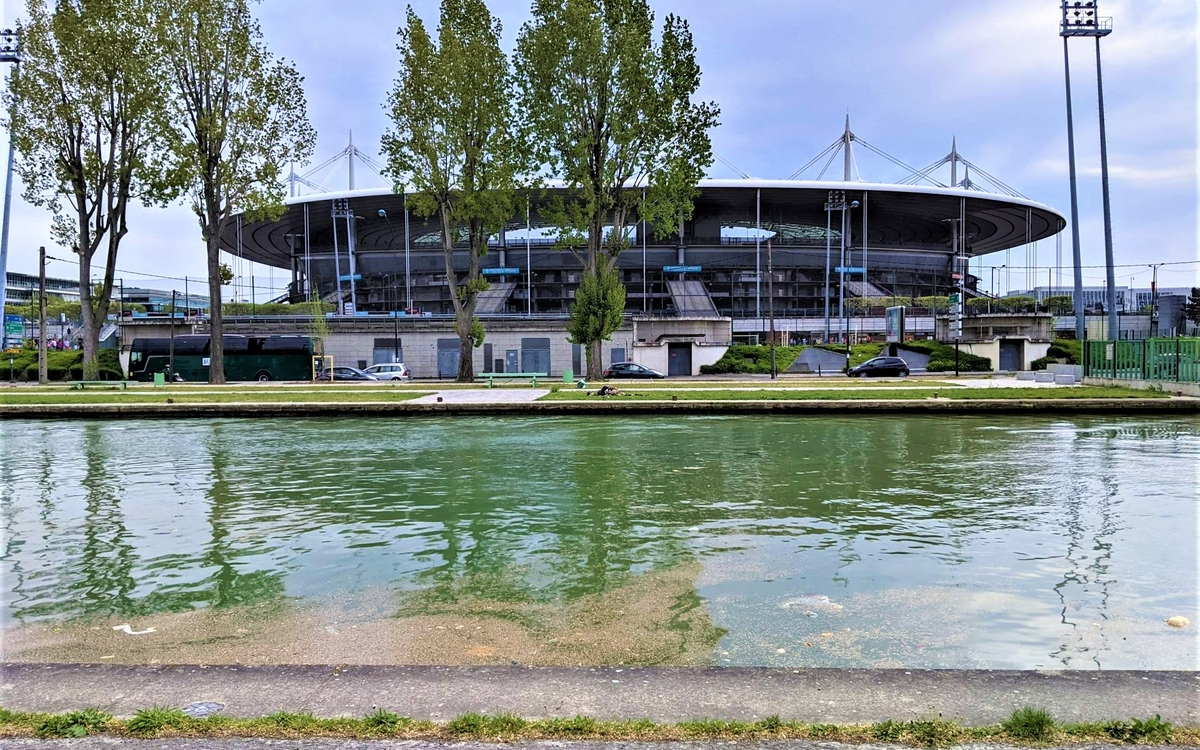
pixel 617 354
pixel 535 355
pixel 512 362
pixel 1010 355
pixel 679 359
pixel 448 358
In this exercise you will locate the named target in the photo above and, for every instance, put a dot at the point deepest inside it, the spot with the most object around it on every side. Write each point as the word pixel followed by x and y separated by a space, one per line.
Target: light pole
pixel 10 51
pixel 835 200
pixel 1082 18
pixel 842 321
pixel 391 285
pixel 994 294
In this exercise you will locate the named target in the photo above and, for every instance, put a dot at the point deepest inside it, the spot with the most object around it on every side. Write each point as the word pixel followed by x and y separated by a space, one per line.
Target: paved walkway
pixel 483 396
pixel 975 697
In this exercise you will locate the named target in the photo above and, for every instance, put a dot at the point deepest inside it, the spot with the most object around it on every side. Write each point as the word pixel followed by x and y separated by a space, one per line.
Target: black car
pixel 631 370
pixel 880 367
pixel 344 372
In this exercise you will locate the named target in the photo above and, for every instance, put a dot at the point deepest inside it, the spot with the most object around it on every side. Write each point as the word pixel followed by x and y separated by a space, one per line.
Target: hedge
pixel 744 358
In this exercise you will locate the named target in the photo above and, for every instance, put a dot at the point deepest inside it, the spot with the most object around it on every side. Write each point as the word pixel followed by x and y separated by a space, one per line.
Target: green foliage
pixel 598 310
pixel 385 722
pixel 84 112
pixel 298 722
pixel 1042 362
pixel 771 723
pixel 981 305
pixel 73 724
pixel 1067 349
pixel 610 107
pixel 1031 724
pixel 150 721
pixel 453 145
pixel 715 728
pixel 575 726
pixel 482 725
pixel 1152 730
pixel 756 359
pixel 887 731
pixel 934 732
pixel 237 118
pixel 226 273
pixel 941 357
pixel 1191 308
pixel 278 308
pixel 1059 304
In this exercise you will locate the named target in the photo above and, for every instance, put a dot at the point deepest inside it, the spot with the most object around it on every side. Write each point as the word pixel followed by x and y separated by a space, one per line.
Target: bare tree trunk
pixel 91 330
pixel 595 364
pixel 216 320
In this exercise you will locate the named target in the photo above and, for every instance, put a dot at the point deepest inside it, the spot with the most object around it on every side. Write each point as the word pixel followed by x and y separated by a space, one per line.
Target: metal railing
pixel 1174 360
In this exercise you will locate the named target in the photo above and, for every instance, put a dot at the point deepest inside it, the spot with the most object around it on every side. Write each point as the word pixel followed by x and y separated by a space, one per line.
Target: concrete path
pixel 664 694
pixel 483 396
pixel 108 743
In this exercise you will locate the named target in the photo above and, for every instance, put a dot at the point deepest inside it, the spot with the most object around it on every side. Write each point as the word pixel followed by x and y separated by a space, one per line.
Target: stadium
pixel 854 238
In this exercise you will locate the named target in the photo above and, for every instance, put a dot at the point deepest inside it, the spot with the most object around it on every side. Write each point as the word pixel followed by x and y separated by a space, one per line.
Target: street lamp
pixel 391 279
pixel 994 294
pixel 10 51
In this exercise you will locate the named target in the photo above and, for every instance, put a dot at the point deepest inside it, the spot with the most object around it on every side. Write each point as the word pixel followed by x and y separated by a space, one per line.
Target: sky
pixel 912 74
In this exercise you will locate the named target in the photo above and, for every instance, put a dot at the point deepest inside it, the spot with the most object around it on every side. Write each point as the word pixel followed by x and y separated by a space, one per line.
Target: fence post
pixel 1145 363
pixel 1178 363
pixel 1116 353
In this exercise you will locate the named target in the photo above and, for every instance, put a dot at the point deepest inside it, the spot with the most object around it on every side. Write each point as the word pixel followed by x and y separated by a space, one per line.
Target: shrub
pixel 743 358
pixel 1033 724
pixel 1041 362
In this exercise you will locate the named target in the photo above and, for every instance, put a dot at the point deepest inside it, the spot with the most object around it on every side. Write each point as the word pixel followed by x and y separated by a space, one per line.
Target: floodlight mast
pixel 10 51
pixel 1082 18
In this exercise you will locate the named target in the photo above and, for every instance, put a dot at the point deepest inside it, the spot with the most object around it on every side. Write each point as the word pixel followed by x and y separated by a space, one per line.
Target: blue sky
pixel 912 74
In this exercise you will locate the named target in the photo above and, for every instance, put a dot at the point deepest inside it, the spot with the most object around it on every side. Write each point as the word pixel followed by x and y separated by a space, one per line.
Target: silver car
pixel 390 371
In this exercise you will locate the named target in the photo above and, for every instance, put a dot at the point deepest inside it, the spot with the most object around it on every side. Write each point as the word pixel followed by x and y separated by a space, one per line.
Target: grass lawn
pixel 190 396
pixel 828 394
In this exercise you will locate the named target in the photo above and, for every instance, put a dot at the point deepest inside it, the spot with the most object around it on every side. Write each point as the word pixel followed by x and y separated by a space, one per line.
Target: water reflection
pixel 947 542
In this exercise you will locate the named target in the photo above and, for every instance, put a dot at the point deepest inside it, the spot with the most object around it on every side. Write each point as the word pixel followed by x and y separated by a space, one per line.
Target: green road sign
pixel 955 298
pixel 14 329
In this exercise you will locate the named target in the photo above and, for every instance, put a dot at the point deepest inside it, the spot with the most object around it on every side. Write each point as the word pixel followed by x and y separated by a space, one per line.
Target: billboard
pixel 893 325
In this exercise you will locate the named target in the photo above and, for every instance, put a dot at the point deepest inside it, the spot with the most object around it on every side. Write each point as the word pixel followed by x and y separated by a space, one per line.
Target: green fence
pixel 1174 360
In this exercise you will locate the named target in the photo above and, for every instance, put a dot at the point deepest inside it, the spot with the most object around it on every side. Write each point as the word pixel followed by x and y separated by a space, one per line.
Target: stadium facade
pixel 904 236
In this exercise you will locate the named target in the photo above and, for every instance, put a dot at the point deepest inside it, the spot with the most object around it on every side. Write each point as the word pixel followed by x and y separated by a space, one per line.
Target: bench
pixel 532 377
pixel 79 385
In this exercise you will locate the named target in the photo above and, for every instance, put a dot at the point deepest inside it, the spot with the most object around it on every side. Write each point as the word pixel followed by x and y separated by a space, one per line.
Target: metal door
pixel 512 362
pixel 617 354
pixel 679 359
pixel 535 355
pixel 1010 355
pixel 449 358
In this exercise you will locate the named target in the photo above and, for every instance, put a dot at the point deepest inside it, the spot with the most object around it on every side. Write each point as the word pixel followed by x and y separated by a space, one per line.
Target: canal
pixel 923 542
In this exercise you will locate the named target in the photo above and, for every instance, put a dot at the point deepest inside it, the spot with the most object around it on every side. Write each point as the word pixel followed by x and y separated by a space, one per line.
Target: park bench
pixel 79 385
pixel 532 377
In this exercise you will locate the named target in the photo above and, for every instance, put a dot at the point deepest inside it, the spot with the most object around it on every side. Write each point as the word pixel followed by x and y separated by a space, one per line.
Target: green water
pixel 916 542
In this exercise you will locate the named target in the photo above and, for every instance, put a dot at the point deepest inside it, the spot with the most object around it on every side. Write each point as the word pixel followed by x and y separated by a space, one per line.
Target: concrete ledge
pixel 1166 386
pixel 975 697
pixel 598 406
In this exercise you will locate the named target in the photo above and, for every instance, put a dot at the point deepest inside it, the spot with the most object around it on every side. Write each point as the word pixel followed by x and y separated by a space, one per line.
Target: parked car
pixel 880 367
pixel 631 370
pixel 390 371
pixel 345 372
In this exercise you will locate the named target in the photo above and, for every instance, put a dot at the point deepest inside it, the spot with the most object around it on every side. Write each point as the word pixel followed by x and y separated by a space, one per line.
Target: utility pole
pixel 10 51
pixel 771 304
pixel 171 354
pixel 43 377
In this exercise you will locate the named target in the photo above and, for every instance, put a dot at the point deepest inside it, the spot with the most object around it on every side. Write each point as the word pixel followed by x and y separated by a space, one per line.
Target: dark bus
pixel 246 358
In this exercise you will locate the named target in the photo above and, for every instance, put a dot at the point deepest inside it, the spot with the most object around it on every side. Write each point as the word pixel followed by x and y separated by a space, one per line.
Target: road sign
pixel 850 269
pixel 681 269
pixel 13 329
pixel 956 276
pixel 501 271
pixel 13 319
pixel 348 277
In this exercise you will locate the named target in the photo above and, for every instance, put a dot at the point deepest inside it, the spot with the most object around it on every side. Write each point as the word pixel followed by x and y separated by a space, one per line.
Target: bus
pixel 259 358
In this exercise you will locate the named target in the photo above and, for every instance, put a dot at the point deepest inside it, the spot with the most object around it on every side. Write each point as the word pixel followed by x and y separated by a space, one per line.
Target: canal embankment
pixel 824 696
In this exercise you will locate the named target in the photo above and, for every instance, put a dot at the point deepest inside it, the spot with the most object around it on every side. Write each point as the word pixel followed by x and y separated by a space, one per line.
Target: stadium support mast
pixel 1083 19
pixel 10 51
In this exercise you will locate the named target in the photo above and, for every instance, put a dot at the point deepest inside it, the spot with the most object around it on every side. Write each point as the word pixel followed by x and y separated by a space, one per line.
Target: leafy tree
pixel 83 110
pixel 1191 308
pixel 238 118
pixel 453 145
pixel 611 114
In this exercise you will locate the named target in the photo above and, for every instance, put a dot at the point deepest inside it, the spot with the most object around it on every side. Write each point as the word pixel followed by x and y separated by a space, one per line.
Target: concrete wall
pixel 1167 386
pixel 991 349
pixel 655 356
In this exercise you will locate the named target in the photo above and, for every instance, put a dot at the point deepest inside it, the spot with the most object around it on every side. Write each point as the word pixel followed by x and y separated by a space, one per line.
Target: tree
pixel 83 109
pixel 452 145
pixel 611 114
pixel 1191 308
pixel 238 118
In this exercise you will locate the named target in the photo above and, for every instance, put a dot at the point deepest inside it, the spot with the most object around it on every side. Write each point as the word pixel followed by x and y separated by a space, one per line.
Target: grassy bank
pixel 1028 726
pixel 261 396
pixel 830 394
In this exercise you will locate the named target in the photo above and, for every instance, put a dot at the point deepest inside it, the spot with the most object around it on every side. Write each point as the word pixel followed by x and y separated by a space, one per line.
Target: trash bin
pixel 160 379
pixel 568 376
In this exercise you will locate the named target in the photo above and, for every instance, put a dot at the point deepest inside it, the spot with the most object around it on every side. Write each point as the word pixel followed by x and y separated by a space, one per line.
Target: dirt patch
pixel 651 618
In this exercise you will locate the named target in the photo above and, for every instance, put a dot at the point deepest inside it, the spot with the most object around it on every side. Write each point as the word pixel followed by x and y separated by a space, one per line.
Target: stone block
pixel 1025 375
pixel 1060 379
pixel 1043 377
